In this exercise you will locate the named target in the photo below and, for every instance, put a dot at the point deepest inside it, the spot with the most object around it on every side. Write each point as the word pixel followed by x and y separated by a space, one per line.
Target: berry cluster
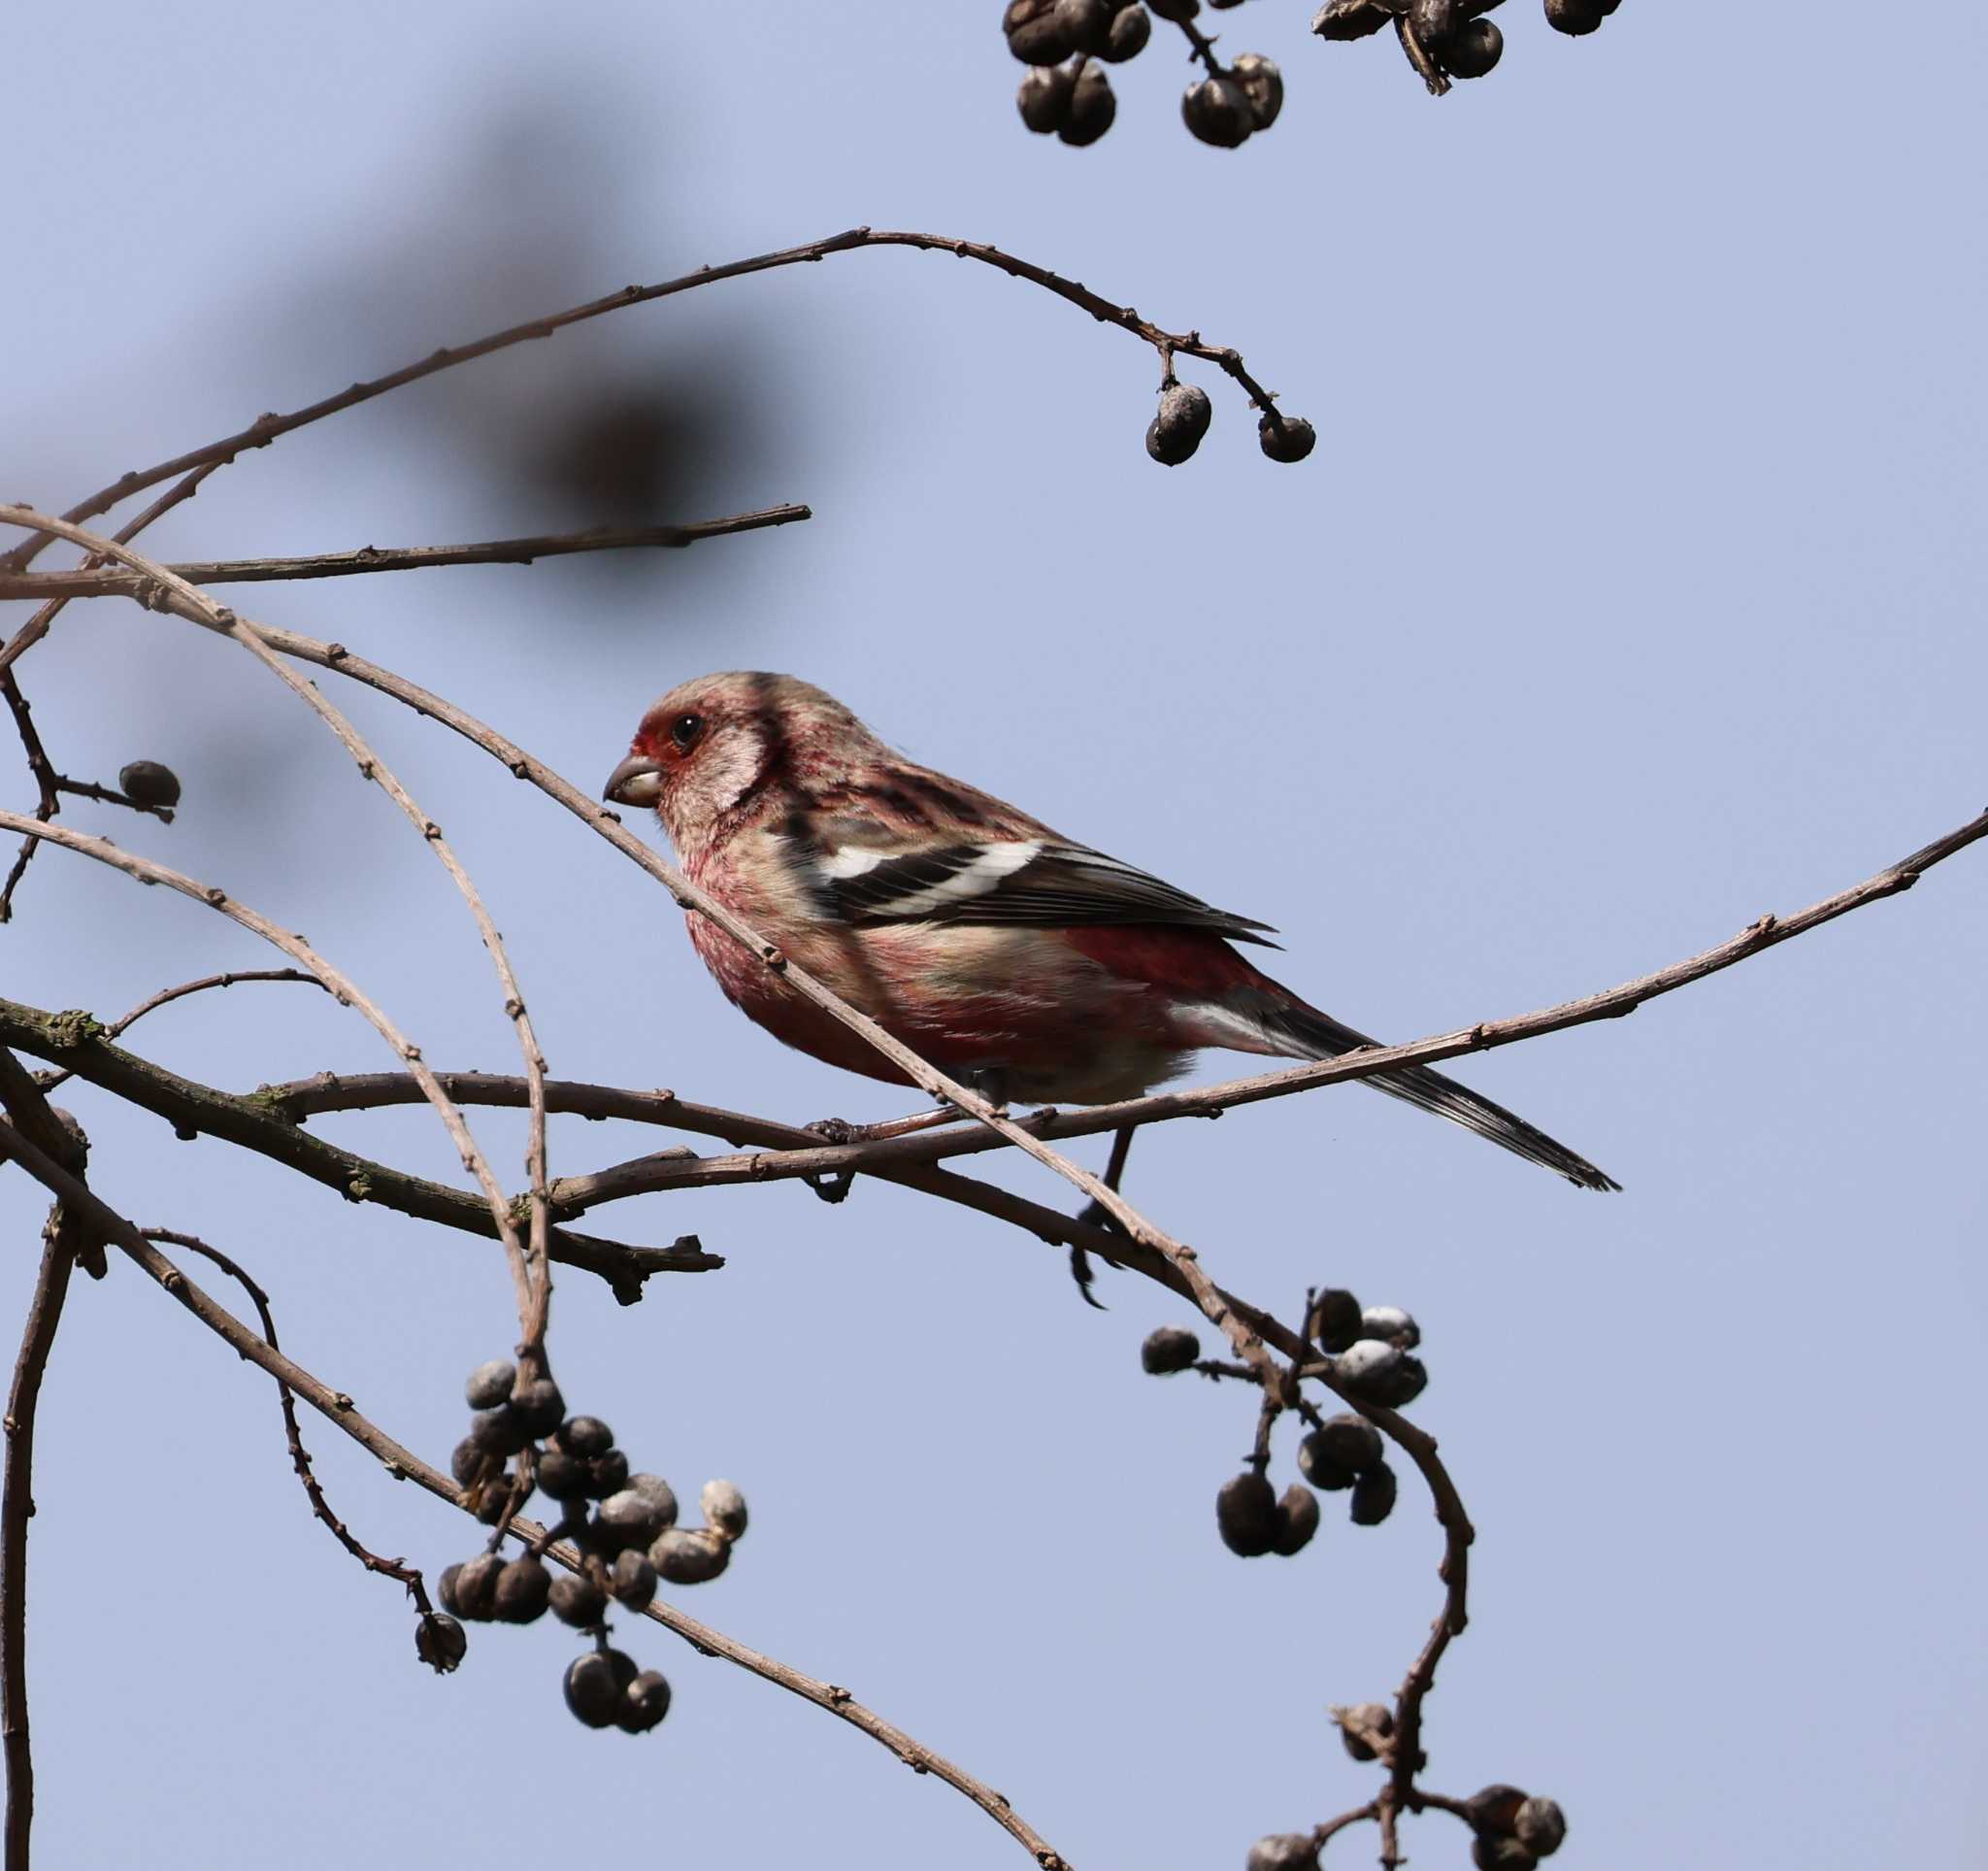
pixel 1515 1831
pixel 1452 37
pixel 1185 413
pixel 624 1526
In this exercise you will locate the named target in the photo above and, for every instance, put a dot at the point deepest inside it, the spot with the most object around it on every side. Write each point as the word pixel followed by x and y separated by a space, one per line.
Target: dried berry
pixel 1086 22
pixel 1576 17
pixel 1338 1451
pixel 1475 46
pixel 1131 27
pixel 491 1383
pixel 522 1589
pixel 440 1643
pixel 724 1509
pixel 1176 432
pixel 1334 1321
pixel 1368 1367
pixel 472 1593
pixel 656 1488
pixel 498 1432
pixel 539 1406
pixel 1349 18
pixel 607 1474
pixel 1263 85
pixel 1494 1810
pixel 1092 108
pixel 1166 1350
pixel 1490 1853
pixel 689 1556
pixel 1288 437
pixel 1434 22
pixel 467 1461
pixel 494 1497
pixel 1362 1726
pixel 1035 34
pixel 1217 110
pixel 1246 1515
pixel 1176 12
pixel 1373 1496
pixel 1541 1826
pixel 627 1518
pixel 585 1437
pixel 1297 1520
pixel 1391 1325
pixel 644 1703
pixel 561 1477
pixel 595 1684
pixel 1284 1852
pixel 633 1581
pixel 577 1600
pixel 149 782
pixel 1043 99
pixel 1409 1380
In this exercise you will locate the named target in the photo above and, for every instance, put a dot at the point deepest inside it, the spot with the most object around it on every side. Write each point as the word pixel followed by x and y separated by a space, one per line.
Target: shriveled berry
pixel 644 1703
pixel 1217 110
pixel 629 1518
pixel 523 1588
pixel 445 1587
pixel 1472 49
pixel 539 1406
pixel 1131 28
pixel 633 1581
pixel 1365 1725
pixel 656 1488
pixel 1263 85
pixel 1176 12
pixel 498 1432
pixel 1086 22
pixel 149 782
pixel 1434 22
pixel 577 1600
pixel 607 1474
pixel 1391 1325
pixel 467 1461
pixel 489 1385
pixel 1367 1368
pixel 1349 18
pixel 1036 35
pixel 1491 1851
pixel 1288 437
pixel 689 1556
pixel 1043 99
pixel 585 1437
pixel 1494 1810
pixel 494 1497
pixel 1576 17
pixel 1297 1520
pixel 1409 1380
pixel 724 1509
pixel 561 1477
pixel 1284 1852
pixel 1092 108
pixel 1167 1350
pixel 1339 1448
pixel 474 1590
pixel 1373 1496
pixel 595 1684
pixel 1541 1826
pixel 1334 1319
pixel 440 1642
pixel 1246 1515
pixel 1176 432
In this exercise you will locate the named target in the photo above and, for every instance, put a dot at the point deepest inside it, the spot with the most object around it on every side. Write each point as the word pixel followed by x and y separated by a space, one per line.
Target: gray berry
pixel 1043 99
pixel 633 1581
pixel 523 1590
pixel 1093 109
pixel 1288 437
pixel 491 1383
pixel 1217 110
pixel 595 1684
pixel 1541 1826
pixel 474 1589
pixel 644 1703
pixel 1367 1368
pixel 1246 1515
pixel 1334 1455
pixel 689 1556
pixel 1494 1810
pixel 630 1518
pixel 1334 1319
pixel 578 1601
pixel 539 1406
pixel 149 782
pixel 585 1437
pixel 656 1488
pixel 1297 1520
pixel 724 1509
pixel 498 1432
pixel 1176 432
pixel 1373 1496
pixel 1284 1852
pixel 1263 85
pixel 440 1643
pixel 1131 28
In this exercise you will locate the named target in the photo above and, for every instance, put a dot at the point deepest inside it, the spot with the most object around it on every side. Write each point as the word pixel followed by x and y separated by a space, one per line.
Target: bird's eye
pixel 686 731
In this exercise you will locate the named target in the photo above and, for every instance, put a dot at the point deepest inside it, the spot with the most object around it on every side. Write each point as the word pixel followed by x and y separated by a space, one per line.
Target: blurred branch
pixel 73 1041
pixel 105 583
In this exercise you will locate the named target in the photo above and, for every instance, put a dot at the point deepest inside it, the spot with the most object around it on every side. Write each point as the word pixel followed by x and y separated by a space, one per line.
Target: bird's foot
pixel 1083 1273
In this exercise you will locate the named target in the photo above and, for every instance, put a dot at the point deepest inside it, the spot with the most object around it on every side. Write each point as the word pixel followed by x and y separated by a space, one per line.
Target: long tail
pixel 1318 1036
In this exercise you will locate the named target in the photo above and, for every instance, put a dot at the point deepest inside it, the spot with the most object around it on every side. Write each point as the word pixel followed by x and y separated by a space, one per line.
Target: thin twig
pixel 104 582
pixel 167 995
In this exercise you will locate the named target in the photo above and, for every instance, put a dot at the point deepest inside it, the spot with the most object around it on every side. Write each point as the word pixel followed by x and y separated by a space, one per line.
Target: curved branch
pixel 167 995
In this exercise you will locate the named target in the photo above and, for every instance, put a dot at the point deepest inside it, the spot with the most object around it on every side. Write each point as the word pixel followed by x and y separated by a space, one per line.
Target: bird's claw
pixel 1083 1273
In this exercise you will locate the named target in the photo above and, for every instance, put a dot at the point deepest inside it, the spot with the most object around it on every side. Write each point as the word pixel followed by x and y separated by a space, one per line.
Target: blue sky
pixel 1632 590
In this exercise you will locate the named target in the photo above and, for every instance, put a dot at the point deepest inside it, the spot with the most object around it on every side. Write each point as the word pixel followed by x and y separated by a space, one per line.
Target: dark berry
pixel 1043 99
pixel 1373 1496
pixel 539 1406
pixel 1541 1826
pixel 1288 437
pixel 523 1588
pixel 689 1556
pixel 491 1383
pixel 627 1518
pixel 147 783
pixel 1297 1520
pixel 498 1432
pixel 577 1600
pixel 1490 1853
pixel 1263 85
pixel 474 1590
pixel 1494 1810
pixel 585 1437
pixel 607 1474
pixel 1092 108
pixel 1475 46
pixel 467 1463
pixel 1166 1350
pixel 724 1509
pixel 1217 110
pixel 494 1497
pixel 1246 1515
pixel 1284 1852
pixel 1368 1367
pixel 1176 432
pixel 1391 1325
pixel 1338 1451
pixel 1334 1319
pixel 1086 22
pixel 1434 22
pixel 633 1581
pixel 561 1477
pixel 1131 28
pixel 1036 35
pixel 1360 1727
pixel 1576 17
pixel 644 1703
pixel 656 1488
pixel 595 1682
pixel 440 1643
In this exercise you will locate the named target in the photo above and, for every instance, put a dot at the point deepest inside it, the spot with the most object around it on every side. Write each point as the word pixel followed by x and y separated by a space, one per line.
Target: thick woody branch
pixel 106 583
pixel 401 1462
pixel 73 1041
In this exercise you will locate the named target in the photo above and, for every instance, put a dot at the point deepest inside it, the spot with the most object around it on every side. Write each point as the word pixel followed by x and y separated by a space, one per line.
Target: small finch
pixel 998 949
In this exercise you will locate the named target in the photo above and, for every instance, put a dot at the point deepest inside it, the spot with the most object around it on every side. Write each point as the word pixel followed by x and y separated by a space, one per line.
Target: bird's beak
pixel 636 782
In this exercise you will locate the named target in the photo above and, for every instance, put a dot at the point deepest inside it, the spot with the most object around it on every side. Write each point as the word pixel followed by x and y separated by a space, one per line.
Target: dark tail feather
pixel 1318 1036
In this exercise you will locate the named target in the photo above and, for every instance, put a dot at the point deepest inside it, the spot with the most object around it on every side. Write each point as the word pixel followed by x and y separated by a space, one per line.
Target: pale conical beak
pixel 636 782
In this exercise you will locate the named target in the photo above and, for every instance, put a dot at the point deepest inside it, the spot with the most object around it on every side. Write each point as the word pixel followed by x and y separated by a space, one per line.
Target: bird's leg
pixel 1096 1215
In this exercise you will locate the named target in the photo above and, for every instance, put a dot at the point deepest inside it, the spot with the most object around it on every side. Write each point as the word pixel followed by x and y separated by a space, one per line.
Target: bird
pixel 1010 956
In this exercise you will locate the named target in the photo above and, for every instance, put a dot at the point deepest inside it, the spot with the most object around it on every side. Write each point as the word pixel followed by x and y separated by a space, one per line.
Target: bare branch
pixel 167 995
pixel 104 582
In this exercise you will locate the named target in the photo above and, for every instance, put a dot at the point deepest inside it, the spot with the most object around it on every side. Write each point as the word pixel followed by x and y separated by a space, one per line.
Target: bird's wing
pixel 1038 881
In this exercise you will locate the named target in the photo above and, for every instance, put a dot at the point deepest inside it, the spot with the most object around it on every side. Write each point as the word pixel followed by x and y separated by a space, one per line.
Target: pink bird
pixel 1003 952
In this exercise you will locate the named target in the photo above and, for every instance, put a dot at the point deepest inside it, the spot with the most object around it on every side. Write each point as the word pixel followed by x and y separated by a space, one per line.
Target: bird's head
pixel 714 745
